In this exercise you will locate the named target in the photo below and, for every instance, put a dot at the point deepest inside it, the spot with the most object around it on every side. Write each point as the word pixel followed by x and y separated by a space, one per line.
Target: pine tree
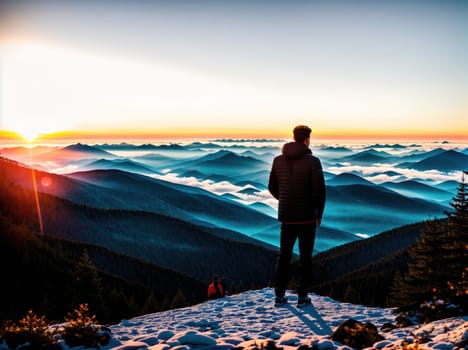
pixel 457 246
pixel 86 286
pixel 33 330
pixel 438 273
pixel 393 297
pixel 151 305
pixel 165 304
pixel 179 300
pixel 427 273
pixel 349 294
pixel 82 329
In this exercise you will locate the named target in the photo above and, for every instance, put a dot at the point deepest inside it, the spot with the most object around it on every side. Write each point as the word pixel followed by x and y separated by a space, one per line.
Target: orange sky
pixel 137 137
pixel 381 70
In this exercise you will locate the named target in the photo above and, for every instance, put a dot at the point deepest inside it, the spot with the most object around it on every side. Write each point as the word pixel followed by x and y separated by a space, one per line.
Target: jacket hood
pixel 295 150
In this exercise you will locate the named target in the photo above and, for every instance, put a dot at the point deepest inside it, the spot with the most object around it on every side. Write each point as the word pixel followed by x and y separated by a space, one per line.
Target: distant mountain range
pixel 119 164
pixel 420 155
pixel 370 188
pixel 179 201
pixel 450 186
pixel 367 157
pixel 224 162
pixel 445 161
pixel 372 209
pixel 416 189
pixel 138 225
pixel 168 242
pixel 347 179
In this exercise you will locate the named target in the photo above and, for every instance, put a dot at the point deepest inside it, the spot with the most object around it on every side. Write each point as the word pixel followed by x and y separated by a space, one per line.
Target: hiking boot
pixel 280 301
pixel 303 301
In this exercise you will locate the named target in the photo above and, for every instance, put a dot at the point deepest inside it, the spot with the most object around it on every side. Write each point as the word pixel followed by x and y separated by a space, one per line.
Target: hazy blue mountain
pixel 219 178
pixel 348 179
pixel 372 209
pixel 364 211
pixel 155 157
pixel 336 149
pixel 203 145
pixel 264 208
pixel 257 149
pixel 25 154
pixel 119 164
pixel 230 196
pixel 129 191
pixel 226 163
pixel 180 201
pixel 260 176
pixel 449 186
pixel 167 242
pixel 249 153
pixel 266 157
pixel 332 152
pixel 82 148
pixel 370 156
pixel 411 188
pixel 76 152
pixel 60 156
pixel 123 190
pixel 156 160
pixel 62 186
pixel 183 165
pixel 420 155
pixel 446 161
pixel 327 175
pixel 394 146
pixel 124 146
pixel 171 146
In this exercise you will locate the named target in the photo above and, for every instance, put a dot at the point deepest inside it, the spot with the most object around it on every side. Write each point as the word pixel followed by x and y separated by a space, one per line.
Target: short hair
pixel 301 132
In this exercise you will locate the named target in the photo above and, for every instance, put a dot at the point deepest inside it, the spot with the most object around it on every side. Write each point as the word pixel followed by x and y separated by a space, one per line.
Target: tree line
pixel 427 278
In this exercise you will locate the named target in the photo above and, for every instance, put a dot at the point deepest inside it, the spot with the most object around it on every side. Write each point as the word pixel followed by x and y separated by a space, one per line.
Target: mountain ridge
pixel 180 246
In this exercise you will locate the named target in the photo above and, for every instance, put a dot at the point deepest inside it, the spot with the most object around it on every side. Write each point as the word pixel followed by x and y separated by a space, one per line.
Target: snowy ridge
pixel 242 320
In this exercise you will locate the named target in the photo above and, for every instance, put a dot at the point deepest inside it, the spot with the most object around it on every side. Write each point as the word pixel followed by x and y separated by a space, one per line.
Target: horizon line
pixel 8 136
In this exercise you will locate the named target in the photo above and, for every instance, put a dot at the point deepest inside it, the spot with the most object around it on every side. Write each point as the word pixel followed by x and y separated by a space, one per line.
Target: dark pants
pixel 289 233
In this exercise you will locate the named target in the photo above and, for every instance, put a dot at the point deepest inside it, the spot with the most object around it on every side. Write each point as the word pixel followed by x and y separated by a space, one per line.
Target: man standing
pixel 296 180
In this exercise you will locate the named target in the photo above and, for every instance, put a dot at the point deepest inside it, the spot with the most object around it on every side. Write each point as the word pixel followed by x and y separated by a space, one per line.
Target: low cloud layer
pixel 375 173
pixel 220 188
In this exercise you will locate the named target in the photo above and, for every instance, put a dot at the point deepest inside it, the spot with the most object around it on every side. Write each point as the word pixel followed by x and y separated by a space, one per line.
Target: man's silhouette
pixel 296 180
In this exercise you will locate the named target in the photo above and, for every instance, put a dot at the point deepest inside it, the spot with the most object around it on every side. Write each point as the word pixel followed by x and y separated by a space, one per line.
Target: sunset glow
pixel 264 72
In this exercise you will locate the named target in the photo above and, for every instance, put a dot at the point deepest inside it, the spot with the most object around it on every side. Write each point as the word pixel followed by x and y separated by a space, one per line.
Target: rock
pixel 403 321
pixel 387 327
pixel 357 334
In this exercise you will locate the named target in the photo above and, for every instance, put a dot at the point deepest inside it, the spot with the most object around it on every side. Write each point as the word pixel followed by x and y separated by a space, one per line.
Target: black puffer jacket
pixel 296 180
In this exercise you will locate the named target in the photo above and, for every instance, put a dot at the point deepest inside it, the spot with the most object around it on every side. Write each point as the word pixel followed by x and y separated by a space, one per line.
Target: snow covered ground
pixel 242 320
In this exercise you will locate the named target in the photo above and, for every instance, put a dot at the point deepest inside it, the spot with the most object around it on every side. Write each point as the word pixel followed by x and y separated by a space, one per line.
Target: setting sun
pixel 28 135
